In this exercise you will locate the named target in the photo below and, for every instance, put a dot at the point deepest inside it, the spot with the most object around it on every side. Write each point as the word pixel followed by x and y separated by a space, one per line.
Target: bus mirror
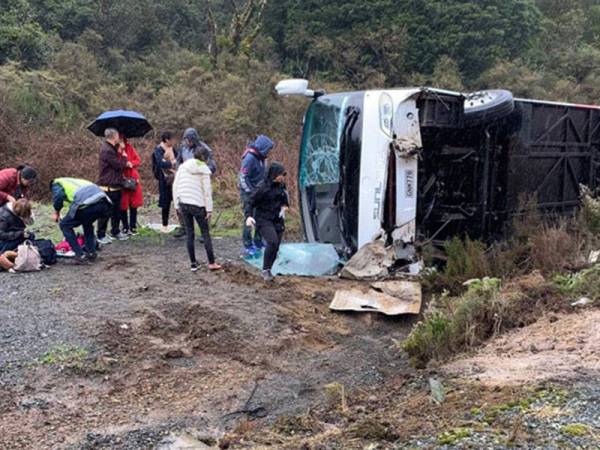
pixel 294 87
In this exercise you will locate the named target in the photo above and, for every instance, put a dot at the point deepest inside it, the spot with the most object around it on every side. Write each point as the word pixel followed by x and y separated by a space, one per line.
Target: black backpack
pixel 47 251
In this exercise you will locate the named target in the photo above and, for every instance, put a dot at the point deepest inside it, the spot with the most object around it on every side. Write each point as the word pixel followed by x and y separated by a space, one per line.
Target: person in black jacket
pixel 266 212
pixel 14 218
pixel 164 163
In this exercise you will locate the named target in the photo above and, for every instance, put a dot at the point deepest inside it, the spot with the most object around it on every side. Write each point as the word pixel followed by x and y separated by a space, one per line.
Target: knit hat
pixel 28 173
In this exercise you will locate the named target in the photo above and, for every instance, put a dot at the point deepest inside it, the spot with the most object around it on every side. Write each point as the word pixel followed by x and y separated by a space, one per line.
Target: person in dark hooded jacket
pixel 266 212
pixel 251 174
pixel 14 217
pixel 191 141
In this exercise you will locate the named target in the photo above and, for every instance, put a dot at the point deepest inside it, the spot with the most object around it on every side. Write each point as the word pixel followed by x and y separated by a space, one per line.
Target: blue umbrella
pixel 132 124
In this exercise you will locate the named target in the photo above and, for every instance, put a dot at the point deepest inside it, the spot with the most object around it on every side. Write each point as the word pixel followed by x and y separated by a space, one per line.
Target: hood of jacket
pixel 263 144
pixel 192 135
pixel 275 169
pixel 193 165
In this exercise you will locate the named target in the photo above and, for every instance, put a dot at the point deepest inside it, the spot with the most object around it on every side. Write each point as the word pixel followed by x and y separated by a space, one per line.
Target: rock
pixel 437 390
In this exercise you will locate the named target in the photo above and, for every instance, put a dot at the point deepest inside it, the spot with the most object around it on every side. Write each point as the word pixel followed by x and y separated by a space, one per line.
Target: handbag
pixel 28 258
pixel 129 184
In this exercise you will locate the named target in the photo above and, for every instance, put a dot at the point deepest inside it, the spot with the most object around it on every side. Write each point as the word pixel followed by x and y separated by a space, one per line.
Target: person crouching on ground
pixel 112 165
pixel 15 183
pixel 266 212
pixel 86 204
pixel 131 200
pixel 192 193
pixel 14 218
pixel 252 173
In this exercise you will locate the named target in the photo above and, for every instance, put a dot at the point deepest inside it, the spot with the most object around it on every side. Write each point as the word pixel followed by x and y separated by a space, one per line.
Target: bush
pixel 454 324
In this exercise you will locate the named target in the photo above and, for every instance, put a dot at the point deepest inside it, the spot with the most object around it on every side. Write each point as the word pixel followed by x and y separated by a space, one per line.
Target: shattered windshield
pixel 320 152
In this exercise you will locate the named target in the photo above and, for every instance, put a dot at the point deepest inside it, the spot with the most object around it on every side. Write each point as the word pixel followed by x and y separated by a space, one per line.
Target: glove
pixel 250 222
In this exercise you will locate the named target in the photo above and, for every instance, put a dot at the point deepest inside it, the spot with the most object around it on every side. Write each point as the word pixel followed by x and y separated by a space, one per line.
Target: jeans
pixel 272 236
pixel 247 231
pixel 189 213
pixel 129 223
pixel 85 217
pixel 115 216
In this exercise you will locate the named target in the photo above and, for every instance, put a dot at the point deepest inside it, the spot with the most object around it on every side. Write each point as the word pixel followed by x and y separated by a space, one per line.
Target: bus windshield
pixel 320 150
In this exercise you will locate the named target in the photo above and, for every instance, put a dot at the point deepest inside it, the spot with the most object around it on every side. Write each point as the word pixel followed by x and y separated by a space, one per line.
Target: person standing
pixel 192 193
pixel 251 174
pixel 190 142
pixel 266 212
pixel 131 200
pixel 164 164
pixel 16 183
pixel 86 203
pixel 112 165
pixel 14 217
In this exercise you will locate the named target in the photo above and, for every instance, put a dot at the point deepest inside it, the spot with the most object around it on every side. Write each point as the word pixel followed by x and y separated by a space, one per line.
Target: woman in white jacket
pixel 192 193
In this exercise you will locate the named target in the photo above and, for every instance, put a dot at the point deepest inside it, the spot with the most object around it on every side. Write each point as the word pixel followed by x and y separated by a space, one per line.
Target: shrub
pixel 457 323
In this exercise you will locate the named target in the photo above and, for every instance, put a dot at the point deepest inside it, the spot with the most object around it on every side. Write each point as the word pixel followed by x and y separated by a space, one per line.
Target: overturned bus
pixel 420 165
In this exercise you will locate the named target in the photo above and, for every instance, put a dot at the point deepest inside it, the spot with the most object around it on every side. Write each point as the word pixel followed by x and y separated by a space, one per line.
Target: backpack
pixel 46 250
pixel 28 258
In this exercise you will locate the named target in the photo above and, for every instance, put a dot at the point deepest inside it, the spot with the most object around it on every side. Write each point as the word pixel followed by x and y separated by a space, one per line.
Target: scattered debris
pixel 583 301
pixel 302 259
pixel 438 393
pixel 372 261
pixel 387 297
pixel 594 256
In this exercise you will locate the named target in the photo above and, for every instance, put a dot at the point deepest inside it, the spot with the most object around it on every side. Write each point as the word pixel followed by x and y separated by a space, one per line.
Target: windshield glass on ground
pixel 320 152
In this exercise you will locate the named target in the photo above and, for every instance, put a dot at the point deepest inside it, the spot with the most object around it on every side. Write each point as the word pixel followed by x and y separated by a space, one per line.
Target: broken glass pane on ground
pixel 300 259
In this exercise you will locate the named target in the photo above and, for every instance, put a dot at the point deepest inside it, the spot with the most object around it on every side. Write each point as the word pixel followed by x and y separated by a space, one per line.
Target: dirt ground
pixel 137 352
pixel 121 353
pixel 557 347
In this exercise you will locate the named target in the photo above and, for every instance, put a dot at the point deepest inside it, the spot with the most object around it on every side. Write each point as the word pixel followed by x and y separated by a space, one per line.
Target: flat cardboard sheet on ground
pixel 386 297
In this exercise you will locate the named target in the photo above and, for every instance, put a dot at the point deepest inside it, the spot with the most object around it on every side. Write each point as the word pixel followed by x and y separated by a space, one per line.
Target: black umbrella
pixel 132 124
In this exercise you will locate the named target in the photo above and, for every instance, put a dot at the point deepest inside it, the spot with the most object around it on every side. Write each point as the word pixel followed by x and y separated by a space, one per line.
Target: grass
pixel 452 436
pixel 44 227
pixel 575 429
pixel 65 356
pixel 457 323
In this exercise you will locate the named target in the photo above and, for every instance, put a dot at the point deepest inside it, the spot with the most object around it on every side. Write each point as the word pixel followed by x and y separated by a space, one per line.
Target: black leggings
pixel 272 235
pixel 189 213
pixel 165 212
pixel 130 223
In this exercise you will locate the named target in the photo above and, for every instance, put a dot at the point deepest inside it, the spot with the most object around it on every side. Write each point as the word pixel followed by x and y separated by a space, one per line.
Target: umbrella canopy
pixel 132 124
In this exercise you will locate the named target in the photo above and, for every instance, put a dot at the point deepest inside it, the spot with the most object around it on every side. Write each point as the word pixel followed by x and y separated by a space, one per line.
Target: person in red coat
pixel 131 200
pixel 15 183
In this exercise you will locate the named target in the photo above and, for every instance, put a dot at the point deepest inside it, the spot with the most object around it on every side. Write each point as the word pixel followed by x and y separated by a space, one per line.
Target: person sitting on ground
pixel 14 218
pixel 192 193
pixel 86 204
pixel 266 212
pixel 164 164
pixel 190 142
pixel 131 200
pixel 16 183
pixel 112 164
pixel 251 174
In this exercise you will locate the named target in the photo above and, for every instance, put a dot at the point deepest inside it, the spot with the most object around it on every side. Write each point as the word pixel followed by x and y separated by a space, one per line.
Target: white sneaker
pixel 105 240
pixel 121 237
pixel 164 229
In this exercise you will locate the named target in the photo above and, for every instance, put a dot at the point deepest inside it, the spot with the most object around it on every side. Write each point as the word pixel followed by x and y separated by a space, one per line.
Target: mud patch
pixel 180 330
